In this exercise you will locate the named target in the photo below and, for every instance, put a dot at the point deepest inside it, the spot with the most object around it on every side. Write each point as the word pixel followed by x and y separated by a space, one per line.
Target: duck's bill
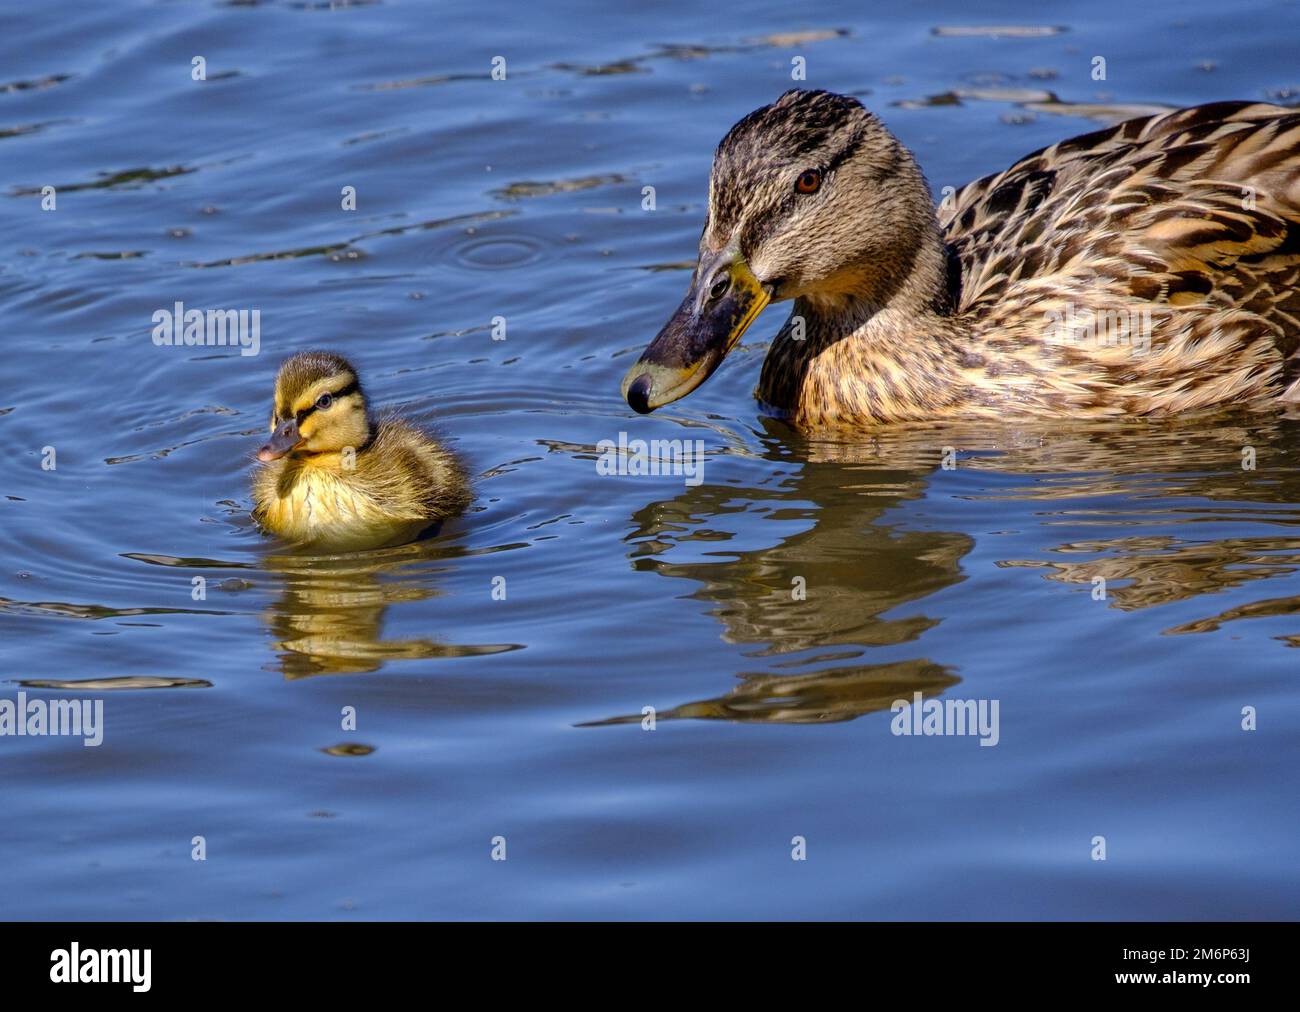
pixel 283 440
pixel 695 339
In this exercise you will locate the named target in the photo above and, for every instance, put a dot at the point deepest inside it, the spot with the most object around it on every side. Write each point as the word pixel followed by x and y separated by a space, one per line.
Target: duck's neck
pixel 861 358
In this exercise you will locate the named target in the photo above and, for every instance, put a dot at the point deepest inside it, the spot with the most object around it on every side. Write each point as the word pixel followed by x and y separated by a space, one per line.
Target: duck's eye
pixel 720 287
pixel 808 182
pixel 324 401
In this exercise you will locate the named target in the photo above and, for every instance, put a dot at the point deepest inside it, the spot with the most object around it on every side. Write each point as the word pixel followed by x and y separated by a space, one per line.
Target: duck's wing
pixel 1196 208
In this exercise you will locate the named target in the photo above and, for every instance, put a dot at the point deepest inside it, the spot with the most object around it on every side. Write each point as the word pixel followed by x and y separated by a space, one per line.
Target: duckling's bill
pixel 285 439
pixel 724 299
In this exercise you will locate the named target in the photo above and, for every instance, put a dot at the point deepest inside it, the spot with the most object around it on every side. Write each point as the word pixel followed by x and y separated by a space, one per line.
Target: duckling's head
pixel 810 197
pixel 319 407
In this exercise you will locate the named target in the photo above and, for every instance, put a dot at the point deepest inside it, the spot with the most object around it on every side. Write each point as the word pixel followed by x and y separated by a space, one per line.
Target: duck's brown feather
pixel 1184 225
pixel 1192 215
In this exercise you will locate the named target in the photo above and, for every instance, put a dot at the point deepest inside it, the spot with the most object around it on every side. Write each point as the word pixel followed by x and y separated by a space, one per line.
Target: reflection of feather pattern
pixel 823 697
pixel 872 574
pixel 330 617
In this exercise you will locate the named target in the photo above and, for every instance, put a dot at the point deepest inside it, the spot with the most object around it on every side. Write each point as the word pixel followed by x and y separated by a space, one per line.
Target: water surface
pixel 521 718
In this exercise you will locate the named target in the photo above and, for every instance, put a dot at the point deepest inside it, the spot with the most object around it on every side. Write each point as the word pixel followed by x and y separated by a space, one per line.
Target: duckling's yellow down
pixel 334 480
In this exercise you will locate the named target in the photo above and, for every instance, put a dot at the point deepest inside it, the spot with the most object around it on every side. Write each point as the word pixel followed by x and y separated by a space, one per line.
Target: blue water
pixel 479 718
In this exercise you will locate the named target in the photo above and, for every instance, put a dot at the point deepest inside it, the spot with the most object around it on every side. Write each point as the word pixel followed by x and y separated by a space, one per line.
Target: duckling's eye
pixel 808 182
pixel 324 401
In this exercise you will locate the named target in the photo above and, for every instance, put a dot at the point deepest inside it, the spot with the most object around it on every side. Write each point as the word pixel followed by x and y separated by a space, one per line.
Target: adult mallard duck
pixel 335 479
pixel 1145 269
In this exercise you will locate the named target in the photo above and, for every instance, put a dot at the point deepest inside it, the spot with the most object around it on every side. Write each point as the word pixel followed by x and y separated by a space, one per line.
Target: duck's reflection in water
pixel 859 565
pixel 822 697
pixel 1156 493
pixel 1157 496
pixel 818 597
pixel 329 617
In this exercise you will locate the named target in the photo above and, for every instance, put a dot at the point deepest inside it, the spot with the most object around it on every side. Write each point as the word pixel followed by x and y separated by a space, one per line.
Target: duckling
pixel 335 479
pixel 1146 269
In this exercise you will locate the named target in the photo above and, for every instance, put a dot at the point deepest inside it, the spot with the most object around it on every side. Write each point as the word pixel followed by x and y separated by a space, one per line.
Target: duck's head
pixel 810 197
pixel 319 407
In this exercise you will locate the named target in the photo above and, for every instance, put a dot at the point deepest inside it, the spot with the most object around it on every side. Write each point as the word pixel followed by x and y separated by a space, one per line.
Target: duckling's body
pixel 1146 269
pixel 402 483
pixel 334 479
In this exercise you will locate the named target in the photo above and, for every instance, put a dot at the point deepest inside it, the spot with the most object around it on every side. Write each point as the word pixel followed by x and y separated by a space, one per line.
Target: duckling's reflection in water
pixel 859 564
pixel 329 618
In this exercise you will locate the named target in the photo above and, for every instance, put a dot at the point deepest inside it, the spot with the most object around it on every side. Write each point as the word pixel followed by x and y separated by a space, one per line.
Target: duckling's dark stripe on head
pixel 347 390
pixel 300 372
pixel 350 388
